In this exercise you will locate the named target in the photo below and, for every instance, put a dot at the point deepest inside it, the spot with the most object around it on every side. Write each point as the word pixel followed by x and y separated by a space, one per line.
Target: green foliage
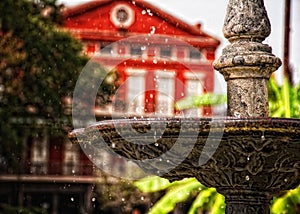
pixel 48 60
pixel 7 209
pixel 287 203
pixel 152 184
pixel 207 99
pixel 181 191
pixel 284 101
pixel 208 199
pixel 120 196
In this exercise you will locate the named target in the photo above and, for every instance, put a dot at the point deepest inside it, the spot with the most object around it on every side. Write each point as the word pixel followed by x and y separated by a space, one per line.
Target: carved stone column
pixel 247 63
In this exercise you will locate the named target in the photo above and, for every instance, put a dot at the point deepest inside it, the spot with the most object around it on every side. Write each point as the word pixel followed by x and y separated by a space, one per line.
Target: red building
pixel 160 59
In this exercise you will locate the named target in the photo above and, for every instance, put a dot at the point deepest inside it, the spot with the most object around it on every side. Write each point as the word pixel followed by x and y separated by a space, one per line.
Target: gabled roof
pixel 192 31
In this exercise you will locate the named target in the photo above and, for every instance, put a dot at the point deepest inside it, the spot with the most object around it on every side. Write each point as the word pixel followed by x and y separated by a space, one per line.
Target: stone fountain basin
pixel 240 153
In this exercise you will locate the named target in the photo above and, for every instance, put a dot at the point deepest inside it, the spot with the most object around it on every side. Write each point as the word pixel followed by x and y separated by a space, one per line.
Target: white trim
pixel 135 72
pixel 194 75
pixel 165 74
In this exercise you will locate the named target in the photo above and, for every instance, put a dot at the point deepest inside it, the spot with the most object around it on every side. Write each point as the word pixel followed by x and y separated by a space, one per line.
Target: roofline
pixel 81 8
pixel 194 30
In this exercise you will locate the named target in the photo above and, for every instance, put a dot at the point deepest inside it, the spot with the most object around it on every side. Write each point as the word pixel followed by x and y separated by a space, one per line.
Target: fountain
pixel 247 156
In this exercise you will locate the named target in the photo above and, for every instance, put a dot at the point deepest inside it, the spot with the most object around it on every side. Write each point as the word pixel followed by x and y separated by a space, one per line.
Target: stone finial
pixel 246 20
pixel 246 63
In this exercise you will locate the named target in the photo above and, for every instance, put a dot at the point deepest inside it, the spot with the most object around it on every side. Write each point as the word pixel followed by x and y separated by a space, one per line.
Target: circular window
pixel 122 16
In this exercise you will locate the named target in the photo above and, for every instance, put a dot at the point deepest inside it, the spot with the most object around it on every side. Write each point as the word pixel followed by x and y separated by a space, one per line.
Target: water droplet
pixel 248 158
pixel 143 48
pixel 156 144
pixel 154 61
pixel 144 12
pixel 149 12
pixel 152 31
pixel 113 145
pixel 247 178
pixel 263 136
pixel 72 199
pixel 123 199
pixel 285 180
pixel 237 114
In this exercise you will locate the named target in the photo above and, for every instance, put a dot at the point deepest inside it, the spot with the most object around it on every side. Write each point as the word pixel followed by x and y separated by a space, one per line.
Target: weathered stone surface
pixel 249 97
pixel 246 63
pixel 242 153
pixel 248 202
pixel 246 19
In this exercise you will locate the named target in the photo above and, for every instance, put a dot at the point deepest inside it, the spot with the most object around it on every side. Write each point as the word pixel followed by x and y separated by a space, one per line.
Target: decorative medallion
pixel 122 16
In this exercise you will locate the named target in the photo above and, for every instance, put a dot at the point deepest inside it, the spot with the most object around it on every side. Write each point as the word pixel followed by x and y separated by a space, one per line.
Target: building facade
pixel 160 59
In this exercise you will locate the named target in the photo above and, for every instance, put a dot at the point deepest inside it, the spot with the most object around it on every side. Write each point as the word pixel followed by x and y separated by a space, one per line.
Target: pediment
pixel 131 17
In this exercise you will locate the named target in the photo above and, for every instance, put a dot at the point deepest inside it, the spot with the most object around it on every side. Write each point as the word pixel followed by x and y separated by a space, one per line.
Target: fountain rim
pixel 230 124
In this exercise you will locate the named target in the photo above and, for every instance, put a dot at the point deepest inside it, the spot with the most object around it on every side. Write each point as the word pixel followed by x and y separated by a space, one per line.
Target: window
pixel 106 49
pixel 39 155
pixel 122 16
pixel 165 52
pixel 71 158
pixel 136 90
pixel 136 51
pixel 195 54
pixel 165 93
pixel 194 87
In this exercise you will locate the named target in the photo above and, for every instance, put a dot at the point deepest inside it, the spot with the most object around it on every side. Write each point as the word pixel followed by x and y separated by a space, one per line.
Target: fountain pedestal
pixel 248 157
pixel 251 203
